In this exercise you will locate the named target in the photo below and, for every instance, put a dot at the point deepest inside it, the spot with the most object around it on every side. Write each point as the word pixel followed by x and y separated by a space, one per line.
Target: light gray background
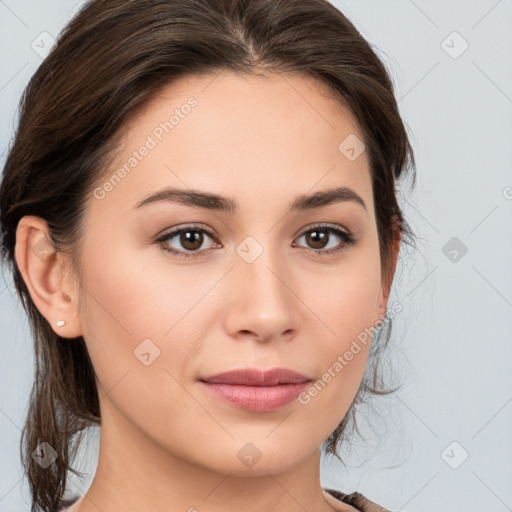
pixel 452 346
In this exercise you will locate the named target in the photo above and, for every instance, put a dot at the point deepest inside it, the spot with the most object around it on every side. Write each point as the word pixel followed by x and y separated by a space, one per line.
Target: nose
pixel 262 303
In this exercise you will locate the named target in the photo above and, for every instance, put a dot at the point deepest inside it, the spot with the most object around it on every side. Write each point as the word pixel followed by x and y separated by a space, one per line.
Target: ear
pixel 387 280
pixel 48 277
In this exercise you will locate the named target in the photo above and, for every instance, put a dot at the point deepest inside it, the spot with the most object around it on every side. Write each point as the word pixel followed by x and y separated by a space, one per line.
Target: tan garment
pixel 357 500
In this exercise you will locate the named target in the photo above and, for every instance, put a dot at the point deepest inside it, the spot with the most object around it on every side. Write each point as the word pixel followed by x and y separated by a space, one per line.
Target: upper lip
pixel 255 377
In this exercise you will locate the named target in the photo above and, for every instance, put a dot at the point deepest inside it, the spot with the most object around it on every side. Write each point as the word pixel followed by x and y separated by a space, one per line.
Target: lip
pixel 255 377
pixel 257 390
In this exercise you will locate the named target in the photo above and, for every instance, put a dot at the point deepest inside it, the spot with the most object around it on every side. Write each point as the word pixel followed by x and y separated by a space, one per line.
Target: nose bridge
pixel 267 279
pixel 264 300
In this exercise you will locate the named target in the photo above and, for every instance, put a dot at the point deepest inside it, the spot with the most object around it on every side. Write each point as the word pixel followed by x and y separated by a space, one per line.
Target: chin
pixel 256 459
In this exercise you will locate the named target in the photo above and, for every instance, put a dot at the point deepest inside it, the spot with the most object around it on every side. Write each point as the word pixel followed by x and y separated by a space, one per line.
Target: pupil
pixel 192 237
pixel 319 239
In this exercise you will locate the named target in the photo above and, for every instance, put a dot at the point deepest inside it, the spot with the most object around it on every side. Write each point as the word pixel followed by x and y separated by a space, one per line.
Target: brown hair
pixel 111 59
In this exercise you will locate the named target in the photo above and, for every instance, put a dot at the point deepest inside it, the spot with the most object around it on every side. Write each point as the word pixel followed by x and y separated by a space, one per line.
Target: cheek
pixel 348 305
pixel 131 307
pixel 119 309
pixel 347 300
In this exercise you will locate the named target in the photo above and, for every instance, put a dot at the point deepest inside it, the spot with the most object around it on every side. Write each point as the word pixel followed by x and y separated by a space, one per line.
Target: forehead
pixel 269 134
pixel 290 105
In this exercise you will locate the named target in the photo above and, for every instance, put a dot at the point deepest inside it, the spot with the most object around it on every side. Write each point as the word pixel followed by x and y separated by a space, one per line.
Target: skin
pixel 166 444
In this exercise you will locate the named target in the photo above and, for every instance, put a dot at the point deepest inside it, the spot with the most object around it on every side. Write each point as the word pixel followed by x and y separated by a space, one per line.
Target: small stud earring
pixel 60 323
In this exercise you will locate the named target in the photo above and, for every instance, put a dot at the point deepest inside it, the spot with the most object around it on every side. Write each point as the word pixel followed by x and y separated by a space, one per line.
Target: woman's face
pixel 251 288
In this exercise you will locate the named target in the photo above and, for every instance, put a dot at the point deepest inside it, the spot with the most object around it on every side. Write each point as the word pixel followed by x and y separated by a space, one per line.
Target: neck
pixel 135 473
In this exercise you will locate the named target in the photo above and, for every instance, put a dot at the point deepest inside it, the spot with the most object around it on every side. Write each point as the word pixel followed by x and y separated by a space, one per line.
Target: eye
pixel 191 238
pixel 320 236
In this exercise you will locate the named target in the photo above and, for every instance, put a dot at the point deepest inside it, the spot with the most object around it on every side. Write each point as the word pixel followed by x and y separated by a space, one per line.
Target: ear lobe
pixel 43 273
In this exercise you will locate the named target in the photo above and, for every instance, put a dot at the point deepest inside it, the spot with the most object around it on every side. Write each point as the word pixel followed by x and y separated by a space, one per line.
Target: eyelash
pixel 347 237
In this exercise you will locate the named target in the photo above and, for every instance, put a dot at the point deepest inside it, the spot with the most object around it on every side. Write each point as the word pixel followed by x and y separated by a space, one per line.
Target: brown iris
pixel 318 238
pixel 193 237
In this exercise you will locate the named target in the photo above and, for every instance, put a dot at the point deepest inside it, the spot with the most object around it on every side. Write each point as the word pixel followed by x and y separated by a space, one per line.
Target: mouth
pixel 255 377
pixel 256 390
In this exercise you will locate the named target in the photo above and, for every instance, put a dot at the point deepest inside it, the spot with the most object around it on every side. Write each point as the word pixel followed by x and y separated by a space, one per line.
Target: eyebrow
pixel 209 201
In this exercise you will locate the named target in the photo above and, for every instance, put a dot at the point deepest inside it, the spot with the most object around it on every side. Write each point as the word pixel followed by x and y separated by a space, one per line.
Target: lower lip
pixel 257 398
